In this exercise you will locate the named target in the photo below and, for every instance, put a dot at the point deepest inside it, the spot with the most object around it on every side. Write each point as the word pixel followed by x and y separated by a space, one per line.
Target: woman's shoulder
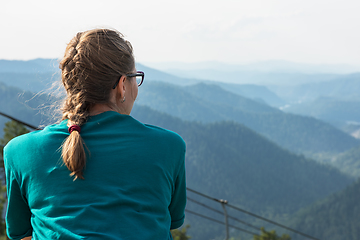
pixel 33 138
pixel 22 140
pixel 165 134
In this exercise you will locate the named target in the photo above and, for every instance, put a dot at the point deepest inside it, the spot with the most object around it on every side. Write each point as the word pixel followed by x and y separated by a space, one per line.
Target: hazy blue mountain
pixel 23 105
pixel 224 159
pixel 228 161
pixel 156 75
pixel 273 72
pixel 329 109
pixel 261 66
pixel 216 95
pixel 31 66
pixel 34 82
pixel 32 75
pixel 210 103
pixel 213 148
pixel 255 77
pixel 287 130
pixel 254 92
pixel 336 217
pixel 346 87
pixel 39 74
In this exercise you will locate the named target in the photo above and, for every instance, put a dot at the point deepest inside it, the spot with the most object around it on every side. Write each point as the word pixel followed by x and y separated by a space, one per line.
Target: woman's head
pixel 93 62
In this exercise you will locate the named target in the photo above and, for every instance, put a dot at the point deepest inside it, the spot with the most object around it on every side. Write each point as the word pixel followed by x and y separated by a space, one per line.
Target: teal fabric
pixel 134 185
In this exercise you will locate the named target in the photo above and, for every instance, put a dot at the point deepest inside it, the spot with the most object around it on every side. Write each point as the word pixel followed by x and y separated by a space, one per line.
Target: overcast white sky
pixel 232 31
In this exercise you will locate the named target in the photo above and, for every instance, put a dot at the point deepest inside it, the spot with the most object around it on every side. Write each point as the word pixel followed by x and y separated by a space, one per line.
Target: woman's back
pixel 133 186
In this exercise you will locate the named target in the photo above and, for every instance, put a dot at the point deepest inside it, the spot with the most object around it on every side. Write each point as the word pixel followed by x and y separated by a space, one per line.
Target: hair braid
pixel 75 109
pixel 92 63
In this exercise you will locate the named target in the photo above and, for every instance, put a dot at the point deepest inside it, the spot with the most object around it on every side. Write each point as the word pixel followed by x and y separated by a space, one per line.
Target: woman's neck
pixel 100 108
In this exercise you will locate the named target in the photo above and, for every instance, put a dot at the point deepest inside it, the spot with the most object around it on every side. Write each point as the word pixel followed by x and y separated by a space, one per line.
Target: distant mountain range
pixel 225 159
pixel 39 65
pixel 210 103
pixel 261 66
pixel 338 112
pixel 236 144
pixel 345 87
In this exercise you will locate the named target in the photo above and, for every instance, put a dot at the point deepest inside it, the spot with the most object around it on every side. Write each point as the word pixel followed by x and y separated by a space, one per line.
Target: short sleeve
pixel 18 214
pixel 178 200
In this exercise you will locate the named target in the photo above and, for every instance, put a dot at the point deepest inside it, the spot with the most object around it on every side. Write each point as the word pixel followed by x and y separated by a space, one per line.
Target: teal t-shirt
pixel 134 186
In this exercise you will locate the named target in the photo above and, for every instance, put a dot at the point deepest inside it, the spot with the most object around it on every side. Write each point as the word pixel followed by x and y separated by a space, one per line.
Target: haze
pixel 230 31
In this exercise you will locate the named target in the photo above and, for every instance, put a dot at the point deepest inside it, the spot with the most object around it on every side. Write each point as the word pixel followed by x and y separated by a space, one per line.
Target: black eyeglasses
pixel 139 78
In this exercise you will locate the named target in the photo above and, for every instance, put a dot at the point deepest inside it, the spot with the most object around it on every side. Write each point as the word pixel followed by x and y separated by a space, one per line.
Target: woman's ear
pixel 120 88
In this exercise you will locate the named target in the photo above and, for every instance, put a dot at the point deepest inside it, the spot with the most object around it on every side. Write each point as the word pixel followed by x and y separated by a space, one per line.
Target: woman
pixel 99 174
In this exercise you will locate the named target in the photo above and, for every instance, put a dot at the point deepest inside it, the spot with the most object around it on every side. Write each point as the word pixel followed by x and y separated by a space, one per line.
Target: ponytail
pixel 73 154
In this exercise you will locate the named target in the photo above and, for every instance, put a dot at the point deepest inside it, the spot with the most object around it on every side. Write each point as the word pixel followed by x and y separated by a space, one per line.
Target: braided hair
pixel 93 62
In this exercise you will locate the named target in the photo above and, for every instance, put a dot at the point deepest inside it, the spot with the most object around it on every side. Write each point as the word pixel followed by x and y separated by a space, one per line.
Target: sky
pixel 230 31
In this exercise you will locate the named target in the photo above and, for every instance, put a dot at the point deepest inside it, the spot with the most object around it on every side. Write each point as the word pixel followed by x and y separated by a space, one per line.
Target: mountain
pixel 261 66
pixel 345 87
pixel 255 92
pixel 32 66
pixel 274 72
pixel 210 103
pixel 24 105
pixel 224 159
pixel 336 217
pixel 329 109
pixel 348 162
pixel 156 75
pixel 194 100
pixel 34 82
pixel 40 74
pixel 255 77
pixel 229 161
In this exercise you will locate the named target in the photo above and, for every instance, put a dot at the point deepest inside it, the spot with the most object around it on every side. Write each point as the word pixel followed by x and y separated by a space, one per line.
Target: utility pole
pixel 223 202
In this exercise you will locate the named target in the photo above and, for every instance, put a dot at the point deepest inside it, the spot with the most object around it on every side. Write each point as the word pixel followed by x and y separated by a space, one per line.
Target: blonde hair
pixel 94 60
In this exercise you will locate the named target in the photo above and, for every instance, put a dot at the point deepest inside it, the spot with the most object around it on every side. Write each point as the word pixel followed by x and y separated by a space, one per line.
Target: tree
pixel 271 235
pixel 180 234
pixel 12 129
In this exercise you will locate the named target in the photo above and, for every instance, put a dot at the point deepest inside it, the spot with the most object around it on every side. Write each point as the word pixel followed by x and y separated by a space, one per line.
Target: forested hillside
pixel 215 149
pixel 335 111
pixel 238 147
pixel 210 103
pixel 348 162
pixel 334 218
pixel 230 161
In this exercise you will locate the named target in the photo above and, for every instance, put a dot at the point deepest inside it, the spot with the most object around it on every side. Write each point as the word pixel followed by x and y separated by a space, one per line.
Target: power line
pixel 19 121
pixel 215 210
pixel 254 215
pixel 217 221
